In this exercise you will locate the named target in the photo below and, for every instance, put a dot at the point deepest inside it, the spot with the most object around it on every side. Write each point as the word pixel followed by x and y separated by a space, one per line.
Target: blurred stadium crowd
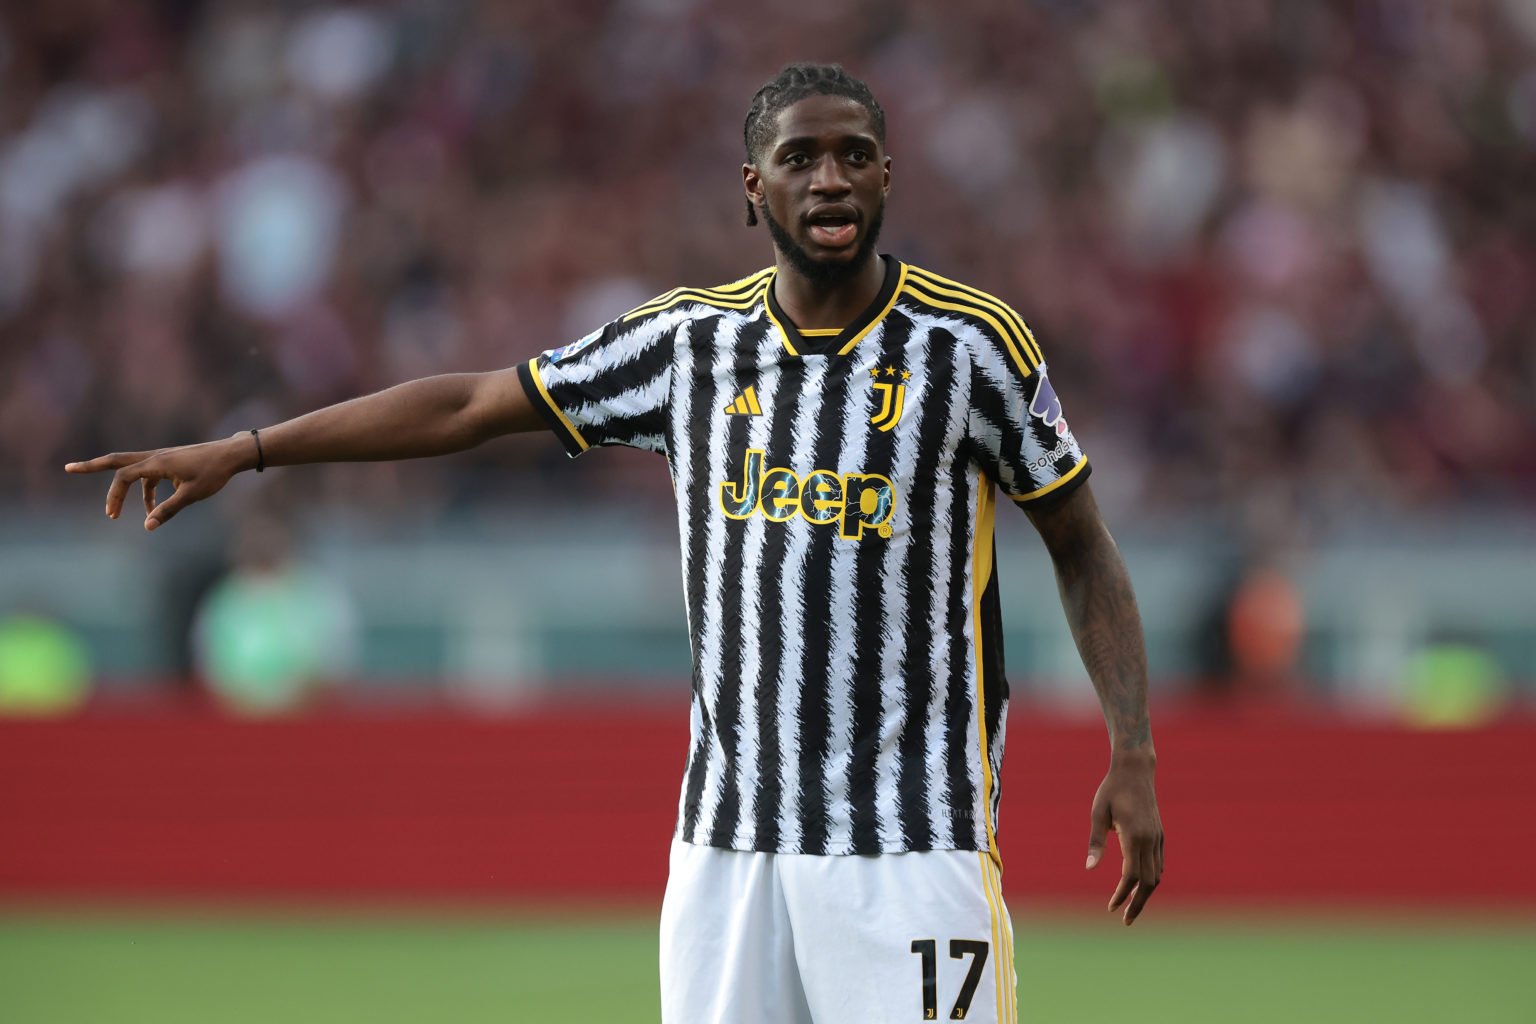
pixel 1282 255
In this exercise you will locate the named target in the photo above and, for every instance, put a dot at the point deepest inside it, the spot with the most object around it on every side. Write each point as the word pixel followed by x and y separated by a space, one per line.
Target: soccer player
pixel 838 428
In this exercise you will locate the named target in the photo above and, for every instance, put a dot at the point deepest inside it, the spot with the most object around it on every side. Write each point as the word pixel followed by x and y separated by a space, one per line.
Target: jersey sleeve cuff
pixel 538 394
pixel 1057 489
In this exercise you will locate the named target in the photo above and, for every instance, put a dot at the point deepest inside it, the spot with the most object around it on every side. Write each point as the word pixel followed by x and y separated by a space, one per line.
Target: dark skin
pixel 1101 611
pixel 824 170
pixel 825 162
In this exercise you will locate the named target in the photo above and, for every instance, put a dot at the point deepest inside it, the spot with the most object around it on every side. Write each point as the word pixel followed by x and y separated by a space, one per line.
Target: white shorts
pixel 783 938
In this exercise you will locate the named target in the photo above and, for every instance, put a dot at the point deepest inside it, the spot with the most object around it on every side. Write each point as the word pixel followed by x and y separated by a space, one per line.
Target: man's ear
pixel 752 185
pixel 887 175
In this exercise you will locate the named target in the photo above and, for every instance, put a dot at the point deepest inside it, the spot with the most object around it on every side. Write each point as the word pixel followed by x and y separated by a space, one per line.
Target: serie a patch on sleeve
pixel 555 355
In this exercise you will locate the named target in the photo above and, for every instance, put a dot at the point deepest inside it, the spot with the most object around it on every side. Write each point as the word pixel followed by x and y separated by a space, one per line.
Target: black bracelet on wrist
pixel 261 462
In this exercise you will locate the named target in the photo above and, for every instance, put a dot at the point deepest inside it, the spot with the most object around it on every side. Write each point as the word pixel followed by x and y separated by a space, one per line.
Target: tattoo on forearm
pixel 1101 611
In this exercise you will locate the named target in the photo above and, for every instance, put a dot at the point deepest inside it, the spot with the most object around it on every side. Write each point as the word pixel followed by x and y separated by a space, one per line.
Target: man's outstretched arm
pixel 430 416
pixel 1101 610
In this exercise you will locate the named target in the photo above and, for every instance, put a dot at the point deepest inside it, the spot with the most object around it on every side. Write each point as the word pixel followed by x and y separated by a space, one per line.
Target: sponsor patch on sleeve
pixel 555 355
pixel 1046 407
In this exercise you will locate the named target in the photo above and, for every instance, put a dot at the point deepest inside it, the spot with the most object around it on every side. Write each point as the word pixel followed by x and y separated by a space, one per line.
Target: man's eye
pixel 858 156
pixel 797 160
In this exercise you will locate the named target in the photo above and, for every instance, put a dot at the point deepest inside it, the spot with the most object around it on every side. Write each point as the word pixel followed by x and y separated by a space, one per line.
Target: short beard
pixel 825 273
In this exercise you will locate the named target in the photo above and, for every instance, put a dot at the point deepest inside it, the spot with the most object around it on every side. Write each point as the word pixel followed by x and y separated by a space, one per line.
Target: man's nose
pixel 828 177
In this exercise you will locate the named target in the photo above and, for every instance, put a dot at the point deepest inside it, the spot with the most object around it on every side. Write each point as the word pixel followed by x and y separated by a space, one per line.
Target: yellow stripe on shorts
pixel 1002 943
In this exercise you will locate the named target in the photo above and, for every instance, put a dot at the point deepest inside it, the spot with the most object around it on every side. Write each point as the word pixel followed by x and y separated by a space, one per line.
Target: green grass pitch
pixel 380 968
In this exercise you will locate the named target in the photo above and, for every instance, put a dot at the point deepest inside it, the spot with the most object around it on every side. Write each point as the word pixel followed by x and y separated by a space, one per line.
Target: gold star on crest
pixel 906 374
pixel 874 371
pixel 890 371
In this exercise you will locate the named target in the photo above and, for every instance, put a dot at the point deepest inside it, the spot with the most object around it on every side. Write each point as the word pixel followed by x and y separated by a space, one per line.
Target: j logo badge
pixel 892 394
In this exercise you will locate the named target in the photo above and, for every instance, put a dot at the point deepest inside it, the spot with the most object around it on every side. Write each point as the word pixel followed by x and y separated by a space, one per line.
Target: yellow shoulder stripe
pixel 695 295
pixel 1021 332
pixel 742 284
pixel 971 309
pixel 736 295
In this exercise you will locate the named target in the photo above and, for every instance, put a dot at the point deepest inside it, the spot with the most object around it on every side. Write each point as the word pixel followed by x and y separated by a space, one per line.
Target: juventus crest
pixel 891 394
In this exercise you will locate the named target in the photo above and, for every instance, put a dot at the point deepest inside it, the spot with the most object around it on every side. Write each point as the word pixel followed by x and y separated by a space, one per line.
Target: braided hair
pixel 790 86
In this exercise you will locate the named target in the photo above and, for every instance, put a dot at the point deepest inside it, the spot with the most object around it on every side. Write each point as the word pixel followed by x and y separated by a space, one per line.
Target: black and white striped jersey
pixel 835 497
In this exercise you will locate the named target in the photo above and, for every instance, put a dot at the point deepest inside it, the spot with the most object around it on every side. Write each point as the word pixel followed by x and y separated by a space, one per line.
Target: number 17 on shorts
pixel 959 949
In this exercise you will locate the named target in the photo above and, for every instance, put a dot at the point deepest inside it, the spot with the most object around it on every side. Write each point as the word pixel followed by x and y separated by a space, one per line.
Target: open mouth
pixel 833 228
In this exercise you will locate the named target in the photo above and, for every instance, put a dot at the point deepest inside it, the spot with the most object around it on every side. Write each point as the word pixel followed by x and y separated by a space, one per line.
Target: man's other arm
pixel 429 416
pixel 1101 611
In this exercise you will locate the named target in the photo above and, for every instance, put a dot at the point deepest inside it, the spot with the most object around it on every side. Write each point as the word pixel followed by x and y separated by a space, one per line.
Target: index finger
pixel 116 460
pixel 122 480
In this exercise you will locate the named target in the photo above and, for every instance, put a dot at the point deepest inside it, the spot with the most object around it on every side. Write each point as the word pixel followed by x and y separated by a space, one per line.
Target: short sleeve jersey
pixel 836 494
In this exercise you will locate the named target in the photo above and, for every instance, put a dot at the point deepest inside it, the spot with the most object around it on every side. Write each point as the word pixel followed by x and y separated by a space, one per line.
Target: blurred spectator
pixel 44 666
pixel 1264 630
pixel 1454 684
pixel 1272 248
pixel 272 634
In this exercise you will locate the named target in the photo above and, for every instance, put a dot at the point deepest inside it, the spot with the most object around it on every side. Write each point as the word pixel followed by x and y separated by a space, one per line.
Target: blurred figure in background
pixel 1453 682
pixel 1264 630
pixel 274 634
pixel 45 669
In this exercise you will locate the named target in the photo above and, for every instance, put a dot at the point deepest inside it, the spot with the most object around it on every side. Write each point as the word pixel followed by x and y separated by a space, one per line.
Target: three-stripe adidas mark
pixel 745 404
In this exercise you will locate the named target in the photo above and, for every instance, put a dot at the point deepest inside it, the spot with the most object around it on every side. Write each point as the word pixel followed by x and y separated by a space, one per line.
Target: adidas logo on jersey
pixel 745 404
pixel 856 502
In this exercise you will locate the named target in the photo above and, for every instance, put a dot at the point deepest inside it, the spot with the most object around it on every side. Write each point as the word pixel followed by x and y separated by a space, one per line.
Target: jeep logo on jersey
pixel 1046 407
pixel 854 501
